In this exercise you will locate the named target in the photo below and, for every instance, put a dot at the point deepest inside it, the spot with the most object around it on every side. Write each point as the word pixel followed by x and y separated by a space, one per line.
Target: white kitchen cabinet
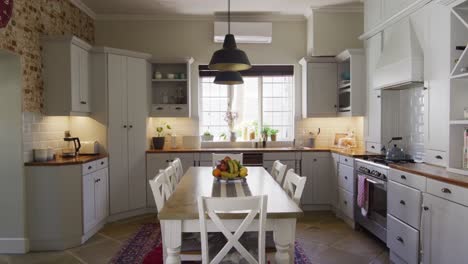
pixel 372 13
pixel 392 7
pixel 319 87
pixel 334 184
pixel 66 76
pixel 374 102
pixel 318 187
pixel 122 81
pixel 95 198
pixel 444 232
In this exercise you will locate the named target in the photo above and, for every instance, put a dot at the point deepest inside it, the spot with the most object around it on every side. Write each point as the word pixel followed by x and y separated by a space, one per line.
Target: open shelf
pixel 459 122
pixel 344 86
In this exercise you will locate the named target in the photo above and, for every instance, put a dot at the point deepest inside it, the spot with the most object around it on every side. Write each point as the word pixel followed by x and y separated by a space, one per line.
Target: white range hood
pixel 401 65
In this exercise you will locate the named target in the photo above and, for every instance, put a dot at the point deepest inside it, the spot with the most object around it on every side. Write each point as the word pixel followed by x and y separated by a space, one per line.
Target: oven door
pixel 377 200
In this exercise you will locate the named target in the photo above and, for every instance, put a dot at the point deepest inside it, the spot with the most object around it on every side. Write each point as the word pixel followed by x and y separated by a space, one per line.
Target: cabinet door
pixel 374 117
pixel 437 98
pixel 444 232
pixel 317 190
pixel 89 208
pixel 75 68
pixel 101 194
pixel 334 179
pixel 136 90
pixel 322 89
pixel 373 124
pixel 154 163
pixel 117 134
pixel 84 81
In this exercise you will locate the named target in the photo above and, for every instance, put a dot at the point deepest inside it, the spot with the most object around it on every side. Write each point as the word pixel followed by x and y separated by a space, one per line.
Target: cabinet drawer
pixel 447 191
pixel 435 157
pixel 409 179
pixel 347 160
pixel 101 164
pixel 404 203
pixel 89 167
pixel 345 202
pixel 346 177
pixel 373 147
pixel 160 110
pixel 403 240
pixel 279 156
pixel 179 111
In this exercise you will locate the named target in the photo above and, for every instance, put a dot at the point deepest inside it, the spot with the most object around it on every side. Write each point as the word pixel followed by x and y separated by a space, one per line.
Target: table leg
pixel 283 234
pixel 172 240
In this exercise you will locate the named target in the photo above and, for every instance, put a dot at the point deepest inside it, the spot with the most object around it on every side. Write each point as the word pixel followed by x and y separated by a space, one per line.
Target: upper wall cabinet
pixel 66 76
pixel 372 14
pixel 391 7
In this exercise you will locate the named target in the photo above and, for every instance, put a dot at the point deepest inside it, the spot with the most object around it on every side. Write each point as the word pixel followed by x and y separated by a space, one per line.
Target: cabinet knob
pixel 345 202
pixel 438 157
pixel 403 177
pixel 90 167
pixel 402 202
pixel 125 126
pixel 346 160
pixel 102 162
pixel 346 177
pixel 400 239
pixel 315 160
pixel 378 96
pixel 425 88
pixel 425 208
pixel 178 108
pixel 131 126
pixel 334 106
pixel 83 102
pixel 372 147
pixel 446 190
pixel 159 108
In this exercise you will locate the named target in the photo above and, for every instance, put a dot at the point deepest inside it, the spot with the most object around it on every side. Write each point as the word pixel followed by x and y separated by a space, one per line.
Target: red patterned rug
pixel 145 247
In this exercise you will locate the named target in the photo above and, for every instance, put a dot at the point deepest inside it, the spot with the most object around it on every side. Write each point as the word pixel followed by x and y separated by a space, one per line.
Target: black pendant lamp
pixel 229 58
pixel 228 78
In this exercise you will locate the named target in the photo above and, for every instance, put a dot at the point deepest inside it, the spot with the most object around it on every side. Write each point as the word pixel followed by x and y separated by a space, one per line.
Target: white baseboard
pixel 14 245
pixel 316 207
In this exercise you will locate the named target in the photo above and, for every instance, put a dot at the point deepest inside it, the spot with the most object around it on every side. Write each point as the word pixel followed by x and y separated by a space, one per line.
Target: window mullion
pixel 260 104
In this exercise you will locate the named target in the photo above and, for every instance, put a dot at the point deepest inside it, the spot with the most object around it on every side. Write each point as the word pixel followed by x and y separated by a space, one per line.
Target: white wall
pixel 195 39
pixel 12 194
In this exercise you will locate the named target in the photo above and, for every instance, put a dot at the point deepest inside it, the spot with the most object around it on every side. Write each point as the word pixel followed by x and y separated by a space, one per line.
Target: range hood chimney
pixel 401 64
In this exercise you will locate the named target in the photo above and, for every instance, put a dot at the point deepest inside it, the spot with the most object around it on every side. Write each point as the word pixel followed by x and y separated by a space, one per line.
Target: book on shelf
pixel 465 148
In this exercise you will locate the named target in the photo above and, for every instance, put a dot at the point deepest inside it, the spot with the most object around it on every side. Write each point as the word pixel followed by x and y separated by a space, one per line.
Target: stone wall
pixel 31 19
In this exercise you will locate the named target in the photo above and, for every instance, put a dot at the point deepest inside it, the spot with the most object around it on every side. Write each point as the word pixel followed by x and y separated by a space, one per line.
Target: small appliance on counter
pixel 309 140
pixel 89 147
pixel 345 140
pixel 72 149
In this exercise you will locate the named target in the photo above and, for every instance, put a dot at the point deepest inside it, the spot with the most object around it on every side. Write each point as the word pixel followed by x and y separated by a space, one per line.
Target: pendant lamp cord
pixel 229 16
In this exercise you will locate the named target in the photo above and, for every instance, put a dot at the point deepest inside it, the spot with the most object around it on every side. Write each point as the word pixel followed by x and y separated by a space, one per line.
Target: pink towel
pixel 362 194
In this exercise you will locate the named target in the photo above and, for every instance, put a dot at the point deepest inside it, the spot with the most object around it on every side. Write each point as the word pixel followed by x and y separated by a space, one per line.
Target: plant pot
pixel 273 137
pixel 207 138
pixel 158 142
pixel 233 137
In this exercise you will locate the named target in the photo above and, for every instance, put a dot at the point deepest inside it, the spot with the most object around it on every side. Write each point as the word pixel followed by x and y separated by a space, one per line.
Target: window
pixel 264 100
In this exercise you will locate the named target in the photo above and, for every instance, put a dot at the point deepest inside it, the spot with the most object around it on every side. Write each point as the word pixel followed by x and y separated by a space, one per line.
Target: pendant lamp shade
pixel 228 78
pixel 229 58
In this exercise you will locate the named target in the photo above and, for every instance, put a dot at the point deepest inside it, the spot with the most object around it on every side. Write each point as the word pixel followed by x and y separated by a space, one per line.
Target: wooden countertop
pixel 198 181
pixel 60 161
pixel 351 153
pixel 433 172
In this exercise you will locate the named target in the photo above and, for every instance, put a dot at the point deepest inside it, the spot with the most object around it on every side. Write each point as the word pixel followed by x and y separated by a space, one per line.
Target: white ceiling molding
pixel 243 18
pixel 84 8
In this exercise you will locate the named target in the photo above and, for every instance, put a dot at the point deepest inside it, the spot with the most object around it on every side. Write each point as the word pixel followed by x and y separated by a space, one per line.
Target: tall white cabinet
pixel 125 78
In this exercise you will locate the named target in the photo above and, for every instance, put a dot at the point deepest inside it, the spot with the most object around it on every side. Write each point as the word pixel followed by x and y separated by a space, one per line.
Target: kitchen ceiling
pixel 207 7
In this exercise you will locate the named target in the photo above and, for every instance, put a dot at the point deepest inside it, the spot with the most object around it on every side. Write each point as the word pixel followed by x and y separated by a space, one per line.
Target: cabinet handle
pixel 125 126
pixel 446 190
pixel 90 167
pixel 334 106
pixel 83 102
pixel 315 160
pixel 346 177
pixel 402 202
pixel 345 202
pixel 378 96
pixel 178 108
pixel 372 147
pixel 97 180
pixel 131 126
pixel 399 239
pixel 438 157
pixel 403 177
pixel 425 208
pixel 102 162
pixel 425 88
pixel 346 160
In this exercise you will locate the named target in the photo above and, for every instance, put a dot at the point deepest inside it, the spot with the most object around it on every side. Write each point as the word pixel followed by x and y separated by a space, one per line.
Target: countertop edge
pixel 67 161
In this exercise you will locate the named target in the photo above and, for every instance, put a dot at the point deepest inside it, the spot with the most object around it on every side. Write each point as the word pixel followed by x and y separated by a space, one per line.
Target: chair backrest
pixel 171 176
pixel 294 185
pixel 278 170
pixel 253 205
pixel 219 156
pixel 161 189
pixel 177 164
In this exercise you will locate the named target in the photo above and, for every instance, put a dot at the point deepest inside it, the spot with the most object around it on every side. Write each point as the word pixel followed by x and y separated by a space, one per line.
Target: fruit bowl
pixel 228 169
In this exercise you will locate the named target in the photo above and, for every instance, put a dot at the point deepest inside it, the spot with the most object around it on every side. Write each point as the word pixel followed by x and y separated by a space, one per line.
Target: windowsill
pixel 244 144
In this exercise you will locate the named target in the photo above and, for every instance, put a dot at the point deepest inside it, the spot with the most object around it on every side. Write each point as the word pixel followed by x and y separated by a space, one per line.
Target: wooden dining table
pixel 180 212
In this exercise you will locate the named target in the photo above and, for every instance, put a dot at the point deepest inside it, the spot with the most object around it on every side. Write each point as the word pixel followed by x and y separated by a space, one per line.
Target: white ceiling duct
pixel 245 32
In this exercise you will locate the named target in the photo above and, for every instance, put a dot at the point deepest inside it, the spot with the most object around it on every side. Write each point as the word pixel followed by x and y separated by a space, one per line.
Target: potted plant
pixel 273 133
pixel 265 133
pixel 158 141
pixel 207 136
pixel 223 137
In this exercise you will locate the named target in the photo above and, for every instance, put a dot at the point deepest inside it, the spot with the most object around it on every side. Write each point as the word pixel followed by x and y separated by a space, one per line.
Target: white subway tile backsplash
pixel 42 132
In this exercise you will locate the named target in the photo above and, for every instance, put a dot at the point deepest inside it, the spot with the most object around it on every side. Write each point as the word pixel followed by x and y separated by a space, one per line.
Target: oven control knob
pixel 384 176
pixel 364 169
pixel 375 173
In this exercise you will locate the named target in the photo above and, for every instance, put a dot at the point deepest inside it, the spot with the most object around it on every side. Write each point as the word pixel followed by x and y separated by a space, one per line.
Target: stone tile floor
pixel 326 239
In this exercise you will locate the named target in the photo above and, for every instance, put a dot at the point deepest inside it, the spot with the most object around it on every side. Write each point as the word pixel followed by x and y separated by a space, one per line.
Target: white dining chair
pixel 253 206
pixel 171 176
pixel 191 245
pixel 278 170
pixel 219 156
pixel 179 170
pixel 294 186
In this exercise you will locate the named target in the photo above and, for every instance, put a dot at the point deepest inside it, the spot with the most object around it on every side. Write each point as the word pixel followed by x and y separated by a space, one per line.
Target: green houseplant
pixel 207 136
pixel 273 133
pixel 158 141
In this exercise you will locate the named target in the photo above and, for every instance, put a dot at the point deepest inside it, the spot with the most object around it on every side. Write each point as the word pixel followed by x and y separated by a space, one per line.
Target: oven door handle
pixel 372 181
pixel 377 183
